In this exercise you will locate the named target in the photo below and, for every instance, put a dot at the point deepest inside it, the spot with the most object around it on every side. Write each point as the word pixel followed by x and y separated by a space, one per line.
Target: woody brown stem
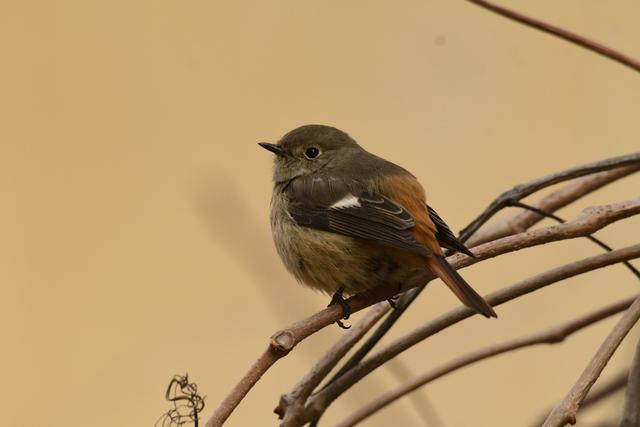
pixel 603 390
pixel 572 191
pixel 291 406
pixel 631 412
pixel 521 191
pixel 553 335
pixel 569 36
pixel 566 411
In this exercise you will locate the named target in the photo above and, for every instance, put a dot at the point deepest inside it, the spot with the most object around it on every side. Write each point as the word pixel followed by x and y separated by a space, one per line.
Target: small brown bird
pixel 347 221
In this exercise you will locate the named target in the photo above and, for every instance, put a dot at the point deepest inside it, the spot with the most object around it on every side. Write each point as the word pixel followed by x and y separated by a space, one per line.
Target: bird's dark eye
pixel 312 152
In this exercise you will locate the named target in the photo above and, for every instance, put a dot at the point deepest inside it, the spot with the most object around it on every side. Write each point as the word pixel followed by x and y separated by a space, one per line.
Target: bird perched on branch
pixel 345 221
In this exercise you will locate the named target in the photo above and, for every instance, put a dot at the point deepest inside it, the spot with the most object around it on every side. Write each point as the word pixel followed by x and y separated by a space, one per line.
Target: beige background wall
pixel 134 200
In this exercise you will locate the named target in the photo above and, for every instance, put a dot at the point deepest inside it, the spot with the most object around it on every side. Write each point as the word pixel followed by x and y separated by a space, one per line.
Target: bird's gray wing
pixel 328 204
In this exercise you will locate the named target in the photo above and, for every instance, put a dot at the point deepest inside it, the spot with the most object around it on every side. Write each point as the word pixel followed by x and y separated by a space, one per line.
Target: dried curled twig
pixel 187 403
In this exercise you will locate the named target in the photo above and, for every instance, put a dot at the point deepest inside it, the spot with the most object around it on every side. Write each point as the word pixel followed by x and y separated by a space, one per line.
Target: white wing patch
pixel 349 201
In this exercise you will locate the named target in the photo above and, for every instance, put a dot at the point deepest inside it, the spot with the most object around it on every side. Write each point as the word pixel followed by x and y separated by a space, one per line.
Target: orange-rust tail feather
pixel 459 286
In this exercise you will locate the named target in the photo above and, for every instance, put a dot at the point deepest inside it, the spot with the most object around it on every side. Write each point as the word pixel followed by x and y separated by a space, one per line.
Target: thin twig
pixel 553 335
pixel 291 406
pixel 589 221
pixel 520 191
pixel 601 391
pixel 565 412
pixel 572 191
pixel 406 300
pixel 562 33
pixel 631 412
pixel 280 345
pixel 319 402
pixel 594 239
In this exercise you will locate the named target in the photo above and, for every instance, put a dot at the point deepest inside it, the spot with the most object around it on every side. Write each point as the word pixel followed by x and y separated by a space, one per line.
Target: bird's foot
pixel 393 304
pixel 338 299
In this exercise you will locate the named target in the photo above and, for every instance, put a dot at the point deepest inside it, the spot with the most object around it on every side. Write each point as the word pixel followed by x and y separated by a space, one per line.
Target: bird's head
pixel 309 149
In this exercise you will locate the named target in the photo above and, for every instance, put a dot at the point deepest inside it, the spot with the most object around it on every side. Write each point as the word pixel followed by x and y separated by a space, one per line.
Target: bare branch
pixel 562 33
pixel 565 412
pixel 603 389
pixel 522 221
pixel 631 413
pixel 319 402
pixel 588 222
pixel 590 237
pixel 291 406
pixel 554 335
pixel 520 191
pixel 280 345
pixel 282 342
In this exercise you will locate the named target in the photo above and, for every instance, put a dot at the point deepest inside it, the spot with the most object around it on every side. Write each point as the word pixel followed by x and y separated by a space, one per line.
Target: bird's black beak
pixel 274 148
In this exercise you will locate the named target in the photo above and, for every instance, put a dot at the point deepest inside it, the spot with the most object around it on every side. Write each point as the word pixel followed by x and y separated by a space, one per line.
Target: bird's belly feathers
pixel 329 262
